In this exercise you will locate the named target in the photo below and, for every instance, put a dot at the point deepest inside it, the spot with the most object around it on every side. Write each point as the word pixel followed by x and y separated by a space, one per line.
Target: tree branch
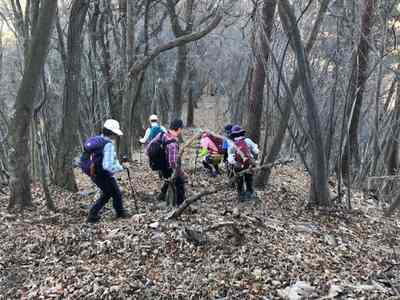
pixel 177 212
pixel 140 66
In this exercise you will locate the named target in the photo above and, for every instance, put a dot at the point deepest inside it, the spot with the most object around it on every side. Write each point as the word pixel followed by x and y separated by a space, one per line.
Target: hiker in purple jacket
pixel 172 166
pixel 104 164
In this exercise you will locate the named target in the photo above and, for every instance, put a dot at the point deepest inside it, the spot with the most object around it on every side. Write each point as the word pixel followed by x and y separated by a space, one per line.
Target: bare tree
pixel 359 75
pixel 68 138
pixel 20 158
pixel 256 97
pixel 319 193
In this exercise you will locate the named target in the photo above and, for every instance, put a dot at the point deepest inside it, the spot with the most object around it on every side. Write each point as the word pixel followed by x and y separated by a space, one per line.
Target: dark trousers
pixel 246 178
pixel 179 186
pixel 109 189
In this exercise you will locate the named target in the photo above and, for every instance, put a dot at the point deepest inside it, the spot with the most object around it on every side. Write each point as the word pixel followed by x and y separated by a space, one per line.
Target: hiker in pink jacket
pixel 211 152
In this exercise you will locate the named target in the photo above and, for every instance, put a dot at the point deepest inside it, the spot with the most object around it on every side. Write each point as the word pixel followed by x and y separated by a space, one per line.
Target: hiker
pixel 99 161
pixel 241 154
pixel 163 152
pixel 211 152
pixel 154 129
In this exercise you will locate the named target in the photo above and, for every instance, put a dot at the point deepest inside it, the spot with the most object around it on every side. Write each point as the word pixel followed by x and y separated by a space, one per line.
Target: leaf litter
pixel 218 249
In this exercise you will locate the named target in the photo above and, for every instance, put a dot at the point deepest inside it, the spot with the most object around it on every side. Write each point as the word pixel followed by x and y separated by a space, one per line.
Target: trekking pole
pixel 132 189
pixel 195 160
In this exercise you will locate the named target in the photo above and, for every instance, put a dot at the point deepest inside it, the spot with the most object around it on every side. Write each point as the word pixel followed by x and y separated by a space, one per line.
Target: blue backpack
pixel 154 131
pixel 91 161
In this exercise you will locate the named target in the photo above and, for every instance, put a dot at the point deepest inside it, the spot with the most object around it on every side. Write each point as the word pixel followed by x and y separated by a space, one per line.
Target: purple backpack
pixel 92 157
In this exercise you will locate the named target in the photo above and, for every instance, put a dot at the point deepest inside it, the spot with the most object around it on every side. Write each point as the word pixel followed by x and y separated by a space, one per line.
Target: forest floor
pixel 218 249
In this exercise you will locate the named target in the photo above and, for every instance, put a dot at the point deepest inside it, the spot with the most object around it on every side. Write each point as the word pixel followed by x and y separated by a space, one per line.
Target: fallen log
pixel 177 212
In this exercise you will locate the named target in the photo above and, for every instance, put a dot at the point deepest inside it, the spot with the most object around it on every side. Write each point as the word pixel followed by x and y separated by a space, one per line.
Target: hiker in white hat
pixel 154 129
pixel 99 161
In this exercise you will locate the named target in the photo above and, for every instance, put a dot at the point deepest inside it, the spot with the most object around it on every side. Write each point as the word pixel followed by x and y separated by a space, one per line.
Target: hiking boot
pixel 123 215
pixel 214 174
pixel 161 197
pixel 251 195
pixel 242 197
pixel 93 219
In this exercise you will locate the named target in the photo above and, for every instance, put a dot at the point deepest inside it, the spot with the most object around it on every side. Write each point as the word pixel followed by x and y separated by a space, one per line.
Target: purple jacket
pixel 172 149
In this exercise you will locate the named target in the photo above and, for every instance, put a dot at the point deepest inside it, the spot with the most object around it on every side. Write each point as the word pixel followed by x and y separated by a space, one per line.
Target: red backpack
pixel 245 149
pixel 218 142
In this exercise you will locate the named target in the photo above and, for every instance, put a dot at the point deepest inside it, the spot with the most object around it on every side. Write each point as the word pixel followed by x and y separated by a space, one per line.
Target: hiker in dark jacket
pixel 173 165
pixel 241 152
pixel 154 129
pixel 104 174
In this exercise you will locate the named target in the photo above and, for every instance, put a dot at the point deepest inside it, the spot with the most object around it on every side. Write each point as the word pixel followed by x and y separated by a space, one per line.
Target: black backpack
pixel 157 154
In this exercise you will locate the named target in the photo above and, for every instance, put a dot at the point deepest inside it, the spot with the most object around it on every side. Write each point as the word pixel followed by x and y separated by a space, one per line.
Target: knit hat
pixel 228 128
pixel 236 129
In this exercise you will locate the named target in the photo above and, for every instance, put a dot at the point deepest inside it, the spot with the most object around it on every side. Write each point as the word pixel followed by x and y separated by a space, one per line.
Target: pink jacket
pixel 207 143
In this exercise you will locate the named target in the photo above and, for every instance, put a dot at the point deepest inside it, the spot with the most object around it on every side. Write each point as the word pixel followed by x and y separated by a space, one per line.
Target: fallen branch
pixel 177 212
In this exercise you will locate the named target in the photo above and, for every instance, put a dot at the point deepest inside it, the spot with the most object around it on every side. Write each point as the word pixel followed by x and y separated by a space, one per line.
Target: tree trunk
pixel 357 86
pixel 68 139
pixel 190 107
pixel 129 93
pixel 180 72
pixel 256 99
pixel 19 158
pixel 319 193
pixel 182 53
pixel 392 149
pixel 287 109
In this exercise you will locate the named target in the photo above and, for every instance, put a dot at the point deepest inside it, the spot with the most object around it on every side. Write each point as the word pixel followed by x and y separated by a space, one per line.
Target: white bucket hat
pixel 153 118
pixel 113 126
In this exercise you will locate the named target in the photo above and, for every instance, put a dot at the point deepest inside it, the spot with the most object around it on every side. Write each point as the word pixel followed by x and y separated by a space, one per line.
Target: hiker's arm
pixel 110 163
pixel 146 136
pixel 231 155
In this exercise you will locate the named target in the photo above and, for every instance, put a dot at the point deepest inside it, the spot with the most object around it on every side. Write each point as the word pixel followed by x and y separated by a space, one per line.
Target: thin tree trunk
pixel 129 93
pixel 19 158
pixel 319 193
pixel 190 106
pixel 256 99
pixel 68 139
pixel 357 86
pixel 294 85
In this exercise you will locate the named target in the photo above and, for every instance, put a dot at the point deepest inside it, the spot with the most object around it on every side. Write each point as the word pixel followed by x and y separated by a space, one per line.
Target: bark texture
pixel 319 193
pixel 68 139
pixel 256 99
pixel 20 124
